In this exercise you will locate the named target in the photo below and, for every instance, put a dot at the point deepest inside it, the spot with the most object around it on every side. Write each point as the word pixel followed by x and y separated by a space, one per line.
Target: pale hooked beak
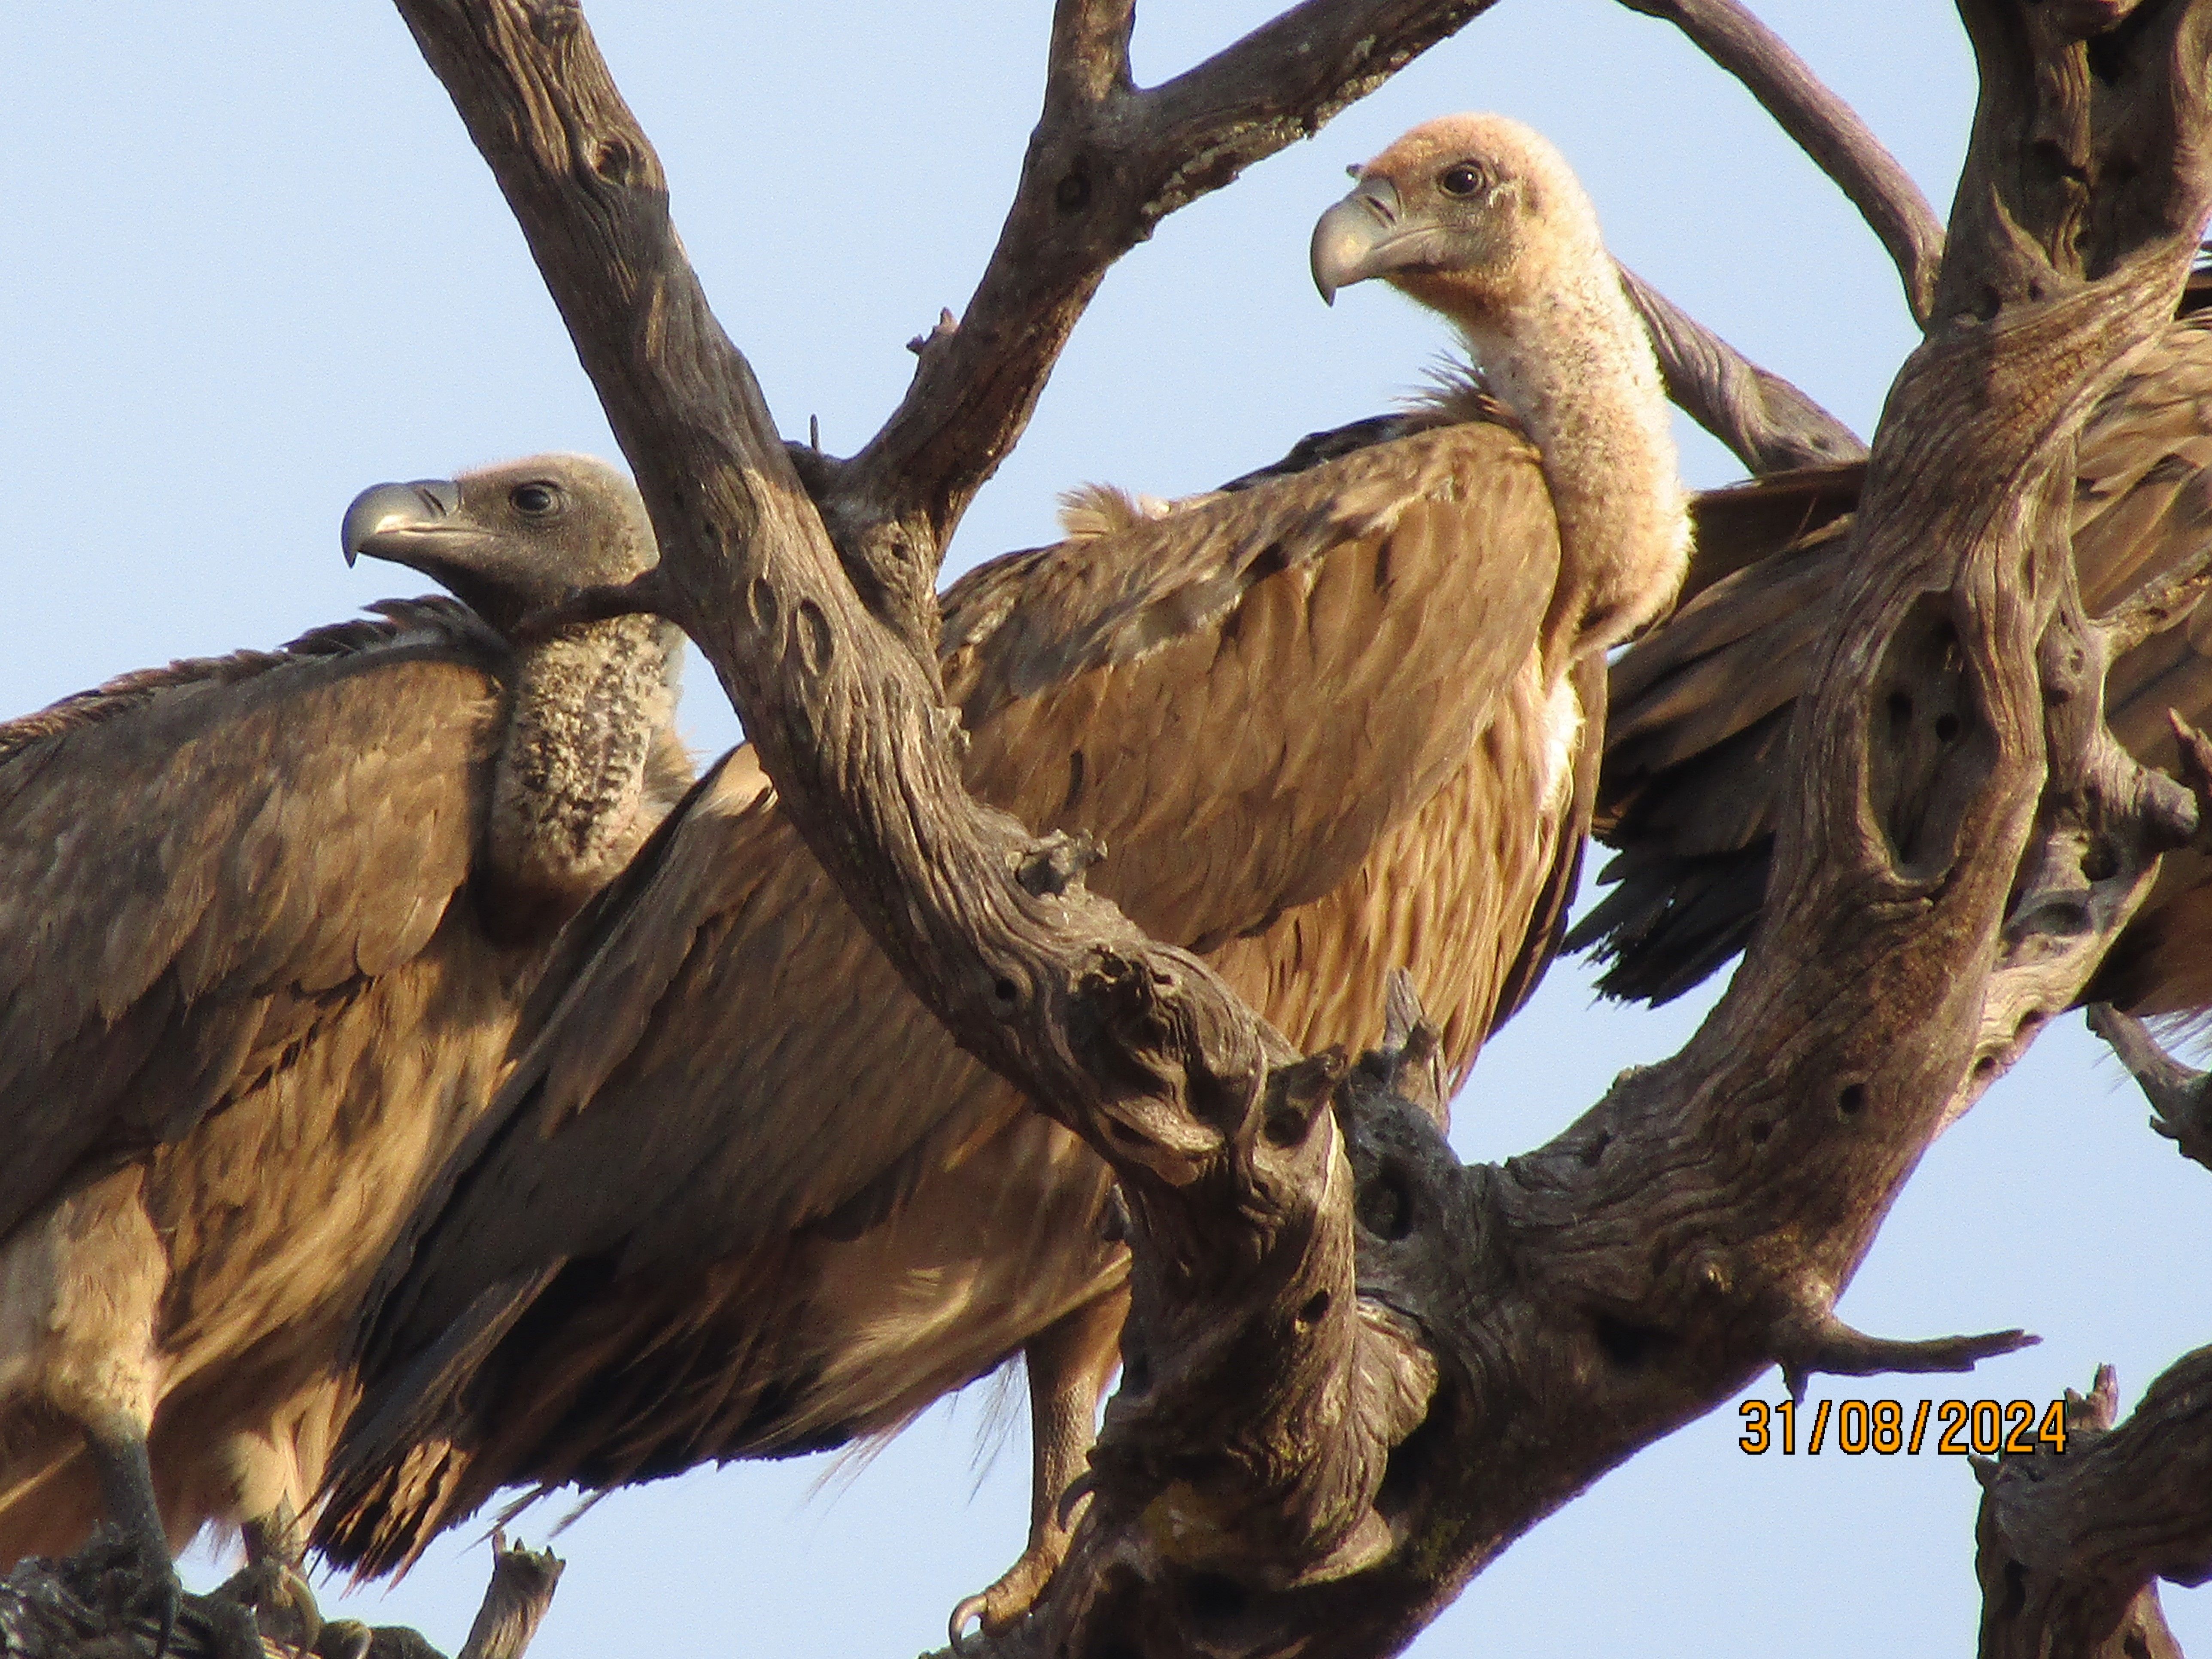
pixel 384 515
pixel 1362 236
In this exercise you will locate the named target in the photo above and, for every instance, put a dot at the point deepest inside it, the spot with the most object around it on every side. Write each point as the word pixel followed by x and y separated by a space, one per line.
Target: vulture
pixel 1701 708
pixel 267 923
pixel 744 1197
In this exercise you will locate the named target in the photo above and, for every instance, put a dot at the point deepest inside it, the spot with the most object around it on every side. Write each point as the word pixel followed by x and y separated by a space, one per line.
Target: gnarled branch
pixel 1769 424
pixel 2069 1547
pixel 2180 1101
pixel 1231 1164
pixel 1107 162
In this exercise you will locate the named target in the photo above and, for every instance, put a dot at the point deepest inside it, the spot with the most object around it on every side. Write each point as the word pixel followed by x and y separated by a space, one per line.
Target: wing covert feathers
pixel 293 823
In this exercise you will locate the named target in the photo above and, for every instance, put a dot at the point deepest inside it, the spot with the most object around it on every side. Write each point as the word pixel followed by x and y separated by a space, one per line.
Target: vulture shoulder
pixel 1238 698
pixel 196 860
pixel 1702 706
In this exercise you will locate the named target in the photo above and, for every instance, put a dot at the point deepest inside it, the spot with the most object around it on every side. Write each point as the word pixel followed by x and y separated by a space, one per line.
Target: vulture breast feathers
pixel 266 924
pixel 744 1197
pixel 1702 706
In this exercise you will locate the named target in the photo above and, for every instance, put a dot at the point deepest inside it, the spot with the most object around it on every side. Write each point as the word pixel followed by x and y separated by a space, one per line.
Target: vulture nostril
pixel 440 497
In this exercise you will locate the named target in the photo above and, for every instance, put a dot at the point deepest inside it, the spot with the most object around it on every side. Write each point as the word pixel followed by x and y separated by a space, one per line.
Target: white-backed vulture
pixel 745 1198
pixel 266 924
pixel 1701 708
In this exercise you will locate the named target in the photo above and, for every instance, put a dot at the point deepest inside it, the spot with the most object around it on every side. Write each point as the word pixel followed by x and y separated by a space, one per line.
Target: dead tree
pixel 1455 1352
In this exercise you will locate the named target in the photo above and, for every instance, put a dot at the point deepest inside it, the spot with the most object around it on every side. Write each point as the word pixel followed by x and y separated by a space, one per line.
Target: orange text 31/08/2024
pixel 1986 1427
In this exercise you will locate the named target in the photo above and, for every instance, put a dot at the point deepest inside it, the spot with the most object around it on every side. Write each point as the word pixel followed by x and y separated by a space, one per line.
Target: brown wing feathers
pixel 174 898
pixel 1702 706
pixel 255 983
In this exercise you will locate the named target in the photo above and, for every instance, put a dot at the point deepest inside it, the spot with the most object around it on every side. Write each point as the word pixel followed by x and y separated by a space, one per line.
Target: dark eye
pixel 536 501
pixel 1460 178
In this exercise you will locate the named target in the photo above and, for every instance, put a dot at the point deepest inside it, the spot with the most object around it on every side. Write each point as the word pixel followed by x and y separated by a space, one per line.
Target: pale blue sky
pixel 252 264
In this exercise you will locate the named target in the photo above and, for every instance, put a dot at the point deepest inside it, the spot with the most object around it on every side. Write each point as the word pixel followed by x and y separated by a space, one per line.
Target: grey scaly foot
pixel 117 1446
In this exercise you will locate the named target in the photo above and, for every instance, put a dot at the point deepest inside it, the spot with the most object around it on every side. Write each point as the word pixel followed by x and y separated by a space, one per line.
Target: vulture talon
pixel 343 1639
pixel 271 1584
pixel 282 1601
pixel 117 1446
pixel 956 1628
pixel 1007 1601
pixel 167 1592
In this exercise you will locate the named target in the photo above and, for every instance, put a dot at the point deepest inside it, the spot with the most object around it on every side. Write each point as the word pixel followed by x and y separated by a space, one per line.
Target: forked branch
pixel 1106 163
pixel 1230 1161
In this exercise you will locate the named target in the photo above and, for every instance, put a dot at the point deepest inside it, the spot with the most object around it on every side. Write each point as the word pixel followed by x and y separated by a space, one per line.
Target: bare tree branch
pixel 1228 1157
pixel 521 1588
pixel 1825 127
pixel 2179 1104
pixel 1769 424
pixel 747 567
pixel 1105 165
pixel 2068 1549
pixel 2164 602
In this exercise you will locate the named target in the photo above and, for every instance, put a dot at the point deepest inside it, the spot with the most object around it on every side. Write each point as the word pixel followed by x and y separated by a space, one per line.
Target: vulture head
pixel 1474 215
pixel 1478 217
pixel 510 539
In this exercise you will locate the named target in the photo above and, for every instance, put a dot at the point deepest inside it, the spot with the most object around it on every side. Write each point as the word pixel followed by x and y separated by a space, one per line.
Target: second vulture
pixel 267 923
pixel 745 1198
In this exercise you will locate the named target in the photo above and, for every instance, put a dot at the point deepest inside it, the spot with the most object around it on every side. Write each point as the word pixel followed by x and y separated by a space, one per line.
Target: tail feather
pixel 401 1473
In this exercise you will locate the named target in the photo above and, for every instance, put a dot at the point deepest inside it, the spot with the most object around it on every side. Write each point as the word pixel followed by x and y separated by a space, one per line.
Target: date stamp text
pixel 1884 1427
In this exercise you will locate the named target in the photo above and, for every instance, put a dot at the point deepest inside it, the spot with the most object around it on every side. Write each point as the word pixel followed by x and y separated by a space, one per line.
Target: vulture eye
pixel 536 501
pixel 1460 178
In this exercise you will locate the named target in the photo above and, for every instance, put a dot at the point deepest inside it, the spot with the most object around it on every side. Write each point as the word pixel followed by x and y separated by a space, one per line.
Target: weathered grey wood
pixel 1769 424
pixel 2069 1549
pixel 1519 1329
pixel 1825 127
pixel 2180 1100
pixel 521 1588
